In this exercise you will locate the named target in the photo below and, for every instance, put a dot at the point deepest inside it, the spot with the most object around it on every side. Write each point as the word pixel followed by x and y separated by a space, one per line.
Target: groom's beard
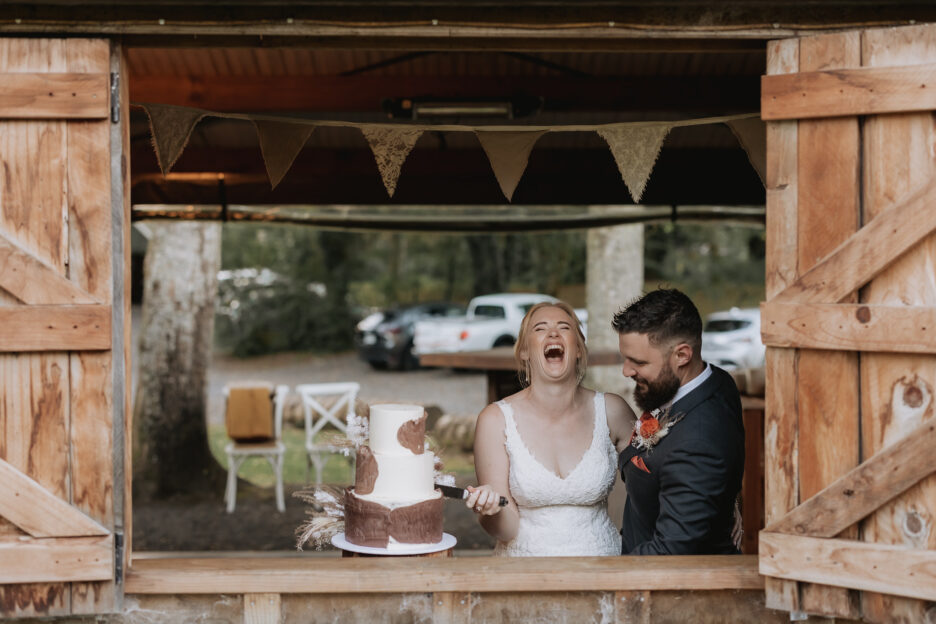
pixel 650 395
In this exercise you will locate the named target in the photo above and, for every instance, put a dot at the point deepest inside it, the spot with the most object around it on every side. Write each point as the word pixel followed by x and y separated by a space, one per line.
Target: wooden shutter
pixel 850 324
pixel 57 467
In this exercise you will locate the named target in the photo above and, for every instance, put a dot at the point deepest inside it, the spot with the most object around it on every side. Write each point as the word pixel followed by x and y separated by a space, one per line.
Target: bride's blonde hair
pixel 523 366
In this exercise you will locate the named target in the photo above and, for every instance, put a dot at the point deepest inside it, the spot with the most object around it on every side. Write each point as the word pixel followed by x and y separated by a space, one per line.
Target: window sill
pixel 240 573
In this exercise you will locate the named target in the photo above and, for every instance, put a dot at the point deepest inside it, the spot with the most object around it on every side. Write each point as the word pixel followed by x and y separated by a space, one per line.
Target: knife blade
pixel 461 493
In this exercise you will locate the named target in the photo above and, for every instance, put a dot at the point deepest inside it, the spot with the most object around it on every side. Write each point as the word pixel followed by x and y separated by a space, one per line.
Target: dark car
pixel 385 339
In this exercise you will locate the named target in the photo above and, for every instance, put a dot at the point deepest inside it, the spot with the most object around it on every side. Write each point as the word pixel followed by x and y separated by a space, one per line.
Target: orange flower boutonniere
pixel 653 427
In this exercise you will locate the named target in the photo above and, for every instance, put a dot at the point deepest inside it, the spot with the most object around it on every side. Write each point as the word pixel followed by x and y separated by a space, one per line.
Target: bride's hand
pixel 483 500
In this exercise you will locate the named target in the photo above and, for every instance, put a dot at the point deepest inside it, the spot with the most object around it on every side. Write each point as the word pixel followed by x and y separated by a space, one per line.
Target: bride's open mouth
pixel 554 353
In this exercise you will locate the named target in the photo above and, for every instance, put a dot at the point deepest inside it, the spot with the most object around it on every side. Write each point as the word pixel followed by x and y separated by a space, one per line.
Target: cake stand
pixel 441 549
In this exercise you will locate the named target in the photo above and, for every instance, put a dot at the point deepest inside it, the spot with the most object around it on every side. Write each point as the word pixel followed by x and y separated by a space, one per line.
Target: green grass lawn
pixel 259 472
pixel 337 470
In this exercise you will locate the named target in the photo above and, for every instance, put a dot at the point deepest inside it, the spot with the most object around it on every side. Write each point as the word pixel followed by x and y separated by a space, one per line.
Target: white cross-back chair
pixel 273 450
pixel 317 416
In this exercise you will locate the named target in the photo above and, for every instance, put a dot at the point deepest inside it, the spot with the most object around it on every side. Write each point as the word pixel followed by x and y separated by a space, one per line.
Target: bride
pixel 551 448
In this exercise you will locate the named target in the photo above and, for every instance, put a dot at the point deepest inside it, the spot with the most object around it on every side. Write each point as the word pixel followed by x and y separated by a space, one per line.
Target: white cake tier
pixel 385 421
pixel 403 478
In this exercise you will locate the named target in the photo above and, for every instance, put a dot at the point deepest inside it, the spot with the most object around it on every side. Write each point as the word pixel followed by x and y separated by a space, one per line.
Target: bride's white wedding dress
pixel 562 517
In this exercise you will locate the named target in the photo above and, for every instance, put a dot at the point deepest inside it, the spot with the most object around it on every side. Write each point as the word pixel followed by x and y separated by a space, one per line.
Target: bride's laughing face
pixel 551 346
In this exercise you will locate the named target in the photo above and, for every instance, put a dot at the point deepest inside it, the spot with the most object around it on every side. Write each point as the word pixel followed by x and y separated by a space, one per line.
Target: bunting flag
pixel 635 145
pixel 508 153
pixel 635 149
pixel 752 135
pixel 391 145
pixel 171 127
pixel 280 143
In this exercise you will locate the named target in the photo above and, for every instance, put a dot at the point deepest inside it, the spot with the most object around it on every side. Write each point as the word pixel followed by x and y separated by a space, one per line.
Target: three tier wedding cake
pixel 394 500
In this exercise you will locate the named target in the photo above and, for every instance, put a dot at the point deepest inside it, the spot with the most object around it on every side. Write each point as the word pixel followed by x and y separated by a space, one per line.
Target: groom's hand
pixel 483 500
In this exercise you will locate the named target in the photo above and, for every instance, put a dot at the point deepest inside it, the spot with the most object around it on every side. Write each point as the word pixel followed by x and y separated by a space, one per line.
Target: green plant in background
pixel 717 265
pixel 257 470
pixel 301 288
pixel 338 468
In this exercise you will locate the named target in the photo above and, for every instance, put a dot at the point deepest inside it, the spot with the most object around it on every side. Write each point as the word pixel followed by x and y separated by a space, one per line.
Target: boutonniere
pixel 652 427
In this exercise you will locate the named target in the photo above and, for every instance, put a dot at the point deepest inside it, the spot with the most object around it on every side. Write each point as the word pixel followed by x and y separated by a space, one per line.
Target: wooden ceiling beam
pixel 453 23
pixel 722 94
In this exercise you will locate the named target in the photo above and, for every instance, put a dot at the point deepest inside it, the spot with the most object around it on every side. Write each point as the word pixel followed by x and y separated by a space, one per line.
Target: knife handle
pixel 501 503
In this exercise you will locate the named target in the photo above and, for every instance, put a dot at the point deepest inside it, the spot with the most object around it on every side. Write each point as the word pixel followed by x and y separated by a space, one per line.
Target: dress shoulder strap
pixel 510 427
pixel 601 416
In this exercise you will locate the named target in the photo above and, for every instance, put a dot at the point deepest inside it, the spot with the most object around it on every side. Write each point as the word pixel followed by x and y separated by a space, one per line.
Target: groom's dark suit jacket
pixel 684 505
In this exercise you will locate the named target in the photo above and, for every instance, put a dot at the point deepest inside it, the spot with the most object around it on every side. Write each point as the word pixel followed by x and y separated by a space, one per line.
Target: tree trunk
pixel 485 259
pixel 170 432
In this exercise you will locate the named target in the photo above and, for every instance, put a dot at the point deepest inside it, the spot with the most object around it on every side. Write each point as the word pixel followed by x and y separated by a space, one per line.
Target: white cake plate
pixel 339 541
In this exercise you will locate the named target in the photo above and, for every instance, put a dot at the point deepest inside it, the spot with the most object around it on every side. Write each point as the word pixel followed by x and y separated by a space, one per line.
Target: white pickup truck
pixel 491 321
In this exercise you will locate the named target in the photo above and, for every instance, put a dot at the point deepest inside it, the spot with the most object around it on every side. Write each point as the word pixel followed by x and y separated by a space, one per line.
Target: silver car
pixel 731 339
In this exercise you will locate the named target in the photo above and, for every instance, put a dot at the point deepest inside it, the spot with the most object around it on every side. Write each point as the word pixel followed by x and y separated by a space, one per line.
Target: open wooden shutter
pixel 850 324
pixel 57 366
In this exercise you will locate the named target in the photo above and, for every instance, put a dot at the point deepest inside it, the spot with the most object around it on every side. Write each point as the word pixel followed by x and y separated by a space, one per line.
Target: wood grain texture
pixel 31 560
pixel 32 281
pixel 55 211
pixel 897 390
pixel 54 96
pixel 451 607
pixel 33 214
pixel 124 420
pixel 827 382
pixel 848 92
pixel 90 266
pixel 866 254
pixel 192 575
pixel 849 327
pixel 848 563
pixel 55 328
pixel 861 491
pixel 632 607
pixel 38 512
pixel 262 609
pixel 781 471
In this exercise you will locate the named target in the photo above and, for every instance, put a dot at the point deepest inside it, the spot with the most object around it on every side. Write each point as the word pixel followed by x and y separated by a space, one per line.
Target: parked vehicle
pixel 731 339
pixel 491 321
pixel 385 339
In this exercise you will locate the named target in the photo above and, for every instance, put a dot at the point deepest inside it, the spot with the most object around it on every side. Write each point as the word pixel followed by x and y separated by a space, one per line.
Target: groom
pixel 684 464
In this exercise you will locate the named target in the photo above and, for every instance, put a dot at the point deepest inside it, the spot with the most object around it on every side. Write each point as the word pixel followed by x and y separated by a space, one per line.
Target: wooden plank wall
pixel 55 412
pixel 827 381
pixel 781 465
pixel 897 389
pixel 35 414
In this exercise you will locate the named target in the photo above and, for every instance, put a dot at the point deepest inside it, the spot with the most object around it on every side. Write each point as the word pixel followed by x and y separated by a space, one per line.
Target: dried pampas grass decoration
pixel 325 518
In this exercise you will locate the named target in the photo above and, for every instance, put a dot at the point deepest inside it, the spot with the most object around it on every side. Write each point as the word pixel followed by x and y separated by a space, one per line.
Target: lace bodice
pixel 562 516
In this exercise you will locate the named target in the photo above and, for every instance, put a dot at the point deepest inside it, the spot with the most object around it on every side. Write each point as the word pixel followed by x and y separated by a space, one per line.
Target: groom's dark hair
pixel 665 315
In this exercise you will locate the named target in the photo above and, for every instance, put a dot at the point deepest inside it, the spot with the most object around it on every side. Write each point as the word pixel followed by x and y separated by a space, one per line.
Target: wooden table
pixel 501 368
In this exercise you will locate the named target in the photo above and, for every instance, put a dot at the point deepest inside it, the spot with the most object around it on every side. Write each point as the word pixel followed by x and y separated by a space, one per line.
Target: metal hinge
pixel 118 553
pixel 115 99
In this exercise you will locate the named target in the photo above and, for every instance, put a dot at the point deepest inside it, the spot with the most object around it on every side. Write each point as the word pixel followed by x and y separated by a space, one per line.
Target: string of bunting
pixel 634 145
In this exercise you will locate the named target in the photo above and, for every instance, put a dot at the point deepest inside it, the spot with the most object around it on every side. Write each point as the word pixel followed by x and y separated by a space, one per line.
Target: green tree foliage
pixel 718 265
pixel 319 283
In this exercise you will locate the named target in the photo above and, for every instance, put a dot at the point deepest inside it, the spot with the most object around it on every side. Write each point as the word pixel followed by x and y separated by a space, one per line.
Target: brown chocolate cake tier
pixel 371 524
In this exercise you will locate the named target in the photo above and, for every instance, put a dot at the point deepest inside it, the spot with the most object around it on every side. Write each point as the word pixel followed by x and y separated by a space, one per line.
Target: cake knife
pixel 460 493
